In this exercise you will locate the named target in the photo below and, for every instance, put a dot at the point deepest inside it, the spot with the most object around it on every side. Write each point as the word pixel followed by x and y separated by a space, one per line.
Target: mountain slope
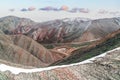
pixel 23 50
pixel 109 42
pixel 15 54
pixel 64 30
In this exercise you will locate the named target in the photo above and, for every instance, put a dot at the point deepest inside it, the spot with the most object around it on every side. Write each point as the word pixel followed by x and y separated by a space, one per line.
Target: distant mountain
pixel 10 23
pixel 64 30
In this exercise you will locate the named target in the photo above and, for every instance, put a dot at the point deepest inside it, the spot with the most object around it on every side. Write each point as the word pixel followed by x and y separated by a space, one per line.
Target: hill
pixel 107 43
pixel 23 50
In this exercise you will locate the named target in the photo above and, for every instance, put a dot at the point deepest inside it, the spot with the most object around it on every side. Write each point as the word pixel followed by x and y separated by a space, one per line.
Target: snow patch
pixel 88 25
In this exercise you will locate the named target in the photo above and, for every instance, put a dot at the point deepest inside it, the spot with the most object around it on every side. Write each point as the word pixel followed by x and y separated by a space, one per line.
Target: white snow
pixel 15 70
pixel 88 25
pixel 118 21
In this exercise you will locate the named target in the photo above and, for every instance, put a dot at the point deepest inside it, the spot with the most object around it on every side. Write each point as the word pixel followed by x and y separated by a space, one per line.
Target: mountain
pixel 59 31
pixel 107 43
pixel 10 23
pixel 82 39
pixel 23 50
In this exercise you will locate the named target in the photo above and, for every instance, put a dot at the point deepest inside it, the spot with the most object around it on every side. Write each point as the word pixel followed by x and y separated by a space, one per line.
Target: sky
pixel 91 4
pixel 93 9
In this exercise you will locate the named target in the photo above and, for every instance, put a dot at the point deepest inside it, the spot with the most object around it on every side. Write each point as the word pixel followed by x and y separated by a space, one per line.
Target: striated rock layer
pixel 23 50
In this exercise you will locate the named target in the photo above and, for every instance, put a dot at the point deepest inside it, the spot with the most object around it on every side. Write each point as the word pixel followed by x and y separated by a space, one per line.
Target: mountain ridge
pixel 60 30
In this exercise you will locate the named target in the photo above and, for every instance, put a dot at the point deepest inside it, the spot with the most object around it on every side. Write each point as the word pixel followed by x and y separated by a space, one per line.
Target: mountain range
pixel 28 44
pixel 105 67
pixel 60 31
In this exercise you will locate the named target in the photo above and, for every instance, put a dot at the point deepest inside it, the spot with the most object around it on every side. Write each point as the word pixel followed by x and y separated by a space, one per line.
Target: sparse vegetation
pixel 48 46
pixel 79 45
pixel 80 55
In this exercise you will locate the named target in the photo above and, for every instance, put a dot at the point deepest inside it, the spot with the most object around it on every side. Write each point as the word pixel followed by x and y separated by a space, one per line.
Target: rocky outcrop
pixel 64 30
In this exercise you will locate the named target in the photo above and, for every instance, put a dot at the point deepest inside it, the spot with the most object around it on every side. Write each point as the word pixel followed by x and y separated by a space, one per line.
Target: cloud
pixel 74 10
pixel 64 7
pixel 11 10
pixel 24 9
pixel 102 11
pixel 31 8
pixel 49 8
pixel 114 13
pixel 84 10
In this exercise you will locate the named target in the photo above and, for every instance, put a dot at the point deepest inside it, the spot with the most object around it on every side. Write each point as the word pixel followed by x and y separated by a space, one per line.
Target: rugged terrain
pixel 103 68
pixel 64 30
pixel 64 42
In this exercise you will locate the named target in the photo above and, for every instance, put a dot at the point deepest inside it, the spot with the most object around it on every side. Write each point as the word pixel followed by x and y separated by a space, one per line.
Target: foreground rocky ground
pixel 102 68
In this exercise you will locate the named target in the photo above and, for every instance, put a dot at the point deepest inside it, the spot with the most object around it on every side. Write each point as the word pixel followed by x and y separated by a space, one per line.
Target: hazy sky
pixel 91 4
pixel 96 9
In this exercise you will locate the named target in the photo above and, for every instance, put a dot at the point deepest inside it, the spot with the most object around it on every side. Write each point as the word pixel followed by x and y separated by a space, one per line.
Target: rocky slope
pixel 102 68
pixel 64 30
pixel 23 50
pixel 107 43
